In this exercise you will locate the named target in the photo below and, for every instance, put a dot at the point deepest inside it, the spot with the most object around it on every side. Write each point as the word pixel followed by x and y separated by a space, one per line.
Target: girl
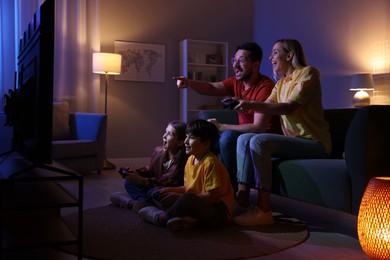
pixel 166 168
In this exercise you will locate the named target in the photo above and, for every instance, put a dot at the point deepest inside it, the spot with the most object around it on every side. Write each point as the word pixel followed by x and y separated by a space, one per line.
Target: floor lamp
pixel 107 64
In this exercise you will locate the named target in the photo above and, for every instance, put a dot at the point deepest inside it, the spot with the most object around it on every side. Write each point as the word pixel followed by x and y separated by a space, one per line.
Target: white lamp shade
pixel 106 63
pixel 362 81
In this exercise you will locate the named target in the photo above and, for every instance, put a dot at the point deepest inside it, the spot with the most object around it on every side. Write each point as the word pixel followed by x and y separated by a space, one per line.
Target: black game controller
pixel 123 172
pixel 229 103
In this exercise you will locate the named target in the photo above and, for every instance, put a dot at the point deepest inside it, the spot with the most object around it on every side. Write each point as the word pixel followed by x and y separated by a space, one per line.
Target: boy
pixel 207 196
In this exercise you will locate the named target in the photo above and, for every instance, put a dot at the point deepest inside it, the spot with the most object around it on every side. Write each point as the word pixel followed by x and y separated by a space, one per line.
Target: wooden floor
pixel 324 243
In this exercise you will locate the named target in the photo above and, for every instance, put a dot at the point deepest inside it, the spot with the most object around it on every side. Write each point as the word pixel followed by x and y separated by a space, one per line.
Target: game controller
pixel 123 172
pixel 229 103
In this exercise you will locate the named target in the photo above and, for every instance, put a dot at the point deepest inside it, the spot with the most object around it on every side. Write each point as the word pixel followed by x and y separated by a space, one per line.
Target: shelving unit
pixel 31 198
pixel 201 60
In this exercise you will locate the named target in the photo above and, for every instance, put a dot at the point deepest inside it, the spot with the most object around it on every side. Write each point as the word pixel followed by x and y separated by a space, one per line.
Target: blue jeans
pixel 227 147
pixel 139 192
pixel 255 153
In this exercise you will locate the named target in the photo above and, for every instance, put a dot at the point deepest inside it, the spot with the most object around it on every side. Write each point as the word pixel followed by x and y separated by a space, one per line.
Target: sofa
pixel 78 139
pixel 360 140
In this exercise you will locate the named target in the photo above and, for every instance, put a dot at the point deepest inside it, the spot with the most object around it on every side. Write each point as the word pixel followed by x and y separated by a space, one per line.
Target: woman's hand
pixel 243 105
pixel 181 82
pixel 216 123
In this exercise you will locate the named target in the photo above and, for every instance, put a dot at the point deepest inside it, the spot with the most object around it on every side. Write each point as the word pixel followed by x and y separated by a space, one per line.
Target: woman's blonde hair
pixel 291 45
pixel 294 46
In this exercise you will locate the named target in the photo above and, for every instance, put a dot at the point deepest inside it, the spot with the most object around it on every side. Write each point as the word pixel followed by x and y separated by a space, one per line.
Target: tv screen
pixel 32 132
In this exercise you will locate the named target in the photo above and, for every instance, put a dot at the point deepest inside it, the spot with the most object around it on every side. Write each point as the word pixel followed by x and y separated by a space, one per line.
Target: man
pixel 248 84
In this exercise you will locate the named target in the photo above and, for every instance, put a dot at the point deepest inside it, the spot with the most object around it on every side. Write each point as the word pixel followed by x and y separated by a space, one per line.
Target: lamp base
pixel 108 165
pixel 361 99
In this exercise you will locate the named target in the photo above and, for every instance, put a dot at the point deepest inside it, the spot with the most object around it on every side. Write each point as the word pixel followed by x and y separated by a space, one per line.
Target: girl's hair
pixel 180 128
pixel 203 129
pixel 291 45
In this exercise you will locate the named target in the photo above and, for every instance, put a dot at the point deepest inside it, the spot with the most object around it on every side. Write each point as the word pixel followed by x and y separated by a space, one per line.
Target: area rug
pixel 114 233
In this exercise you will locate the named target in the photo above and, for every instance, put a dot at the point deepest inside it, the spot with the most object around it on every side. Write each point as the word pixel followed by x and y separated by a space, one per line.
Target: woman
pixel 297 99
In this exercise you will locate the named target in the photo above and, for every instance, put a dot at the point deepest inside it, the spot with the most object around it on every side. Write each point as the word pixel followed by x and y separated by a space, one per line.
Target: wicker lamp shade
pixel 374 219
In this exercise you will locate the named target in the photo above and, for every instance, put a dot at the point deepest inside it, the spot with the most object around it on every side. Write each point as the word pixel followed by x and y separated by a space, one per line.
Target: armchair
pixel 79 139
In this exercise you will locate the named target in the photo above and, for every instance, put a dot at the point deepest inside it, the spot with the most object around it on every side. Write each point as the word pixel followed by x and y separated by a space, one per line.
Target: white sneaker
pixel 121 199
pixel 254 218
pixel 238 210
pixel 150 214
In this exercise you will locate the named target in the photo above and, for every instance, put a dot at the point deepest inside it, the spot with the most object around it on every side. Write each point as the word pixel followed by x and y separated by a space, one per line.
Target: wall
pixel 337 37
pixel 139 111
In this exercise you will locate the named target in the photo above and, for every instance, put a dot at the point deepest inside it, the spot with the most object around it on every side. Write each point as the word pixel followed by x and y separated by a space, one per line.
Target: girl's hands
pixel 135 178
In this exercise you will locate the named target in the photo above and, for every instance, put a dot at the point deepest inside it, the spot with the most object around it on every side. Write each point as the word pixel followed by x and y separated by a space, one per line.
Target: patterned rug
pixel 114 233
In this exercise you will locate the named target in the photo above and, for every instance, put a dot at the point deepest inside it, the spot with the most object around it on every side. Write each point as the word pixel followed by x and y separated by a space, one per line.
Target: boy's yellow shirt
pixel 207 175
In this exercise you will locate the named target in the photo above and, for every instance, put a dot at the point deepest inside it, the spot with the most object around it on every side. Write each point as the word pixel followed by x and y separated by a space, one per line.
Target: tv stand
pixel 31 198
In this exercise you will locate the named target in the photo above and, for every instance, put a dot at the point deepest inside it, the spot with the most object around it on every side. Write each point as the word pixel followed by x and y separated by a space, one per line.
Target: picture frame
pixel 141 61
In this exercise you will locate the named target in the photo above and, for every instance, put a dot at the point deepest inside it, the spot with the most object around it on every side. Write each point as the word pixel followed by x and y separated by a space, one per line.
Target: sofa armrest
pixel 223 116
pixel 366 144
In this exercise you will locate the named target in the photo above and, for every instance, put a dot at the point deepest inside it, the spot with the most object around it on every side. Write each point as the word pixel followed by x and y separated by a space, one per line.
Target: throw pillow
pixel 60 129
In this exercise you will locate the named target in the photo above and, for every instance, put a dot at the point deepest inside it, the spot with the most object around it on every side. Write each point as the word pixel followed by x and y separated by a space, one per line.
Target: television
pixel 33 106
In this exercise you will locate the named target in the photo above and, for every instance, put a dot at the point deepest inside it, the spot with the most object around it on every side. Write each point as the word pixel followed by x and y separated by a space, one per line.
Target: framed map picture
pixel 141 61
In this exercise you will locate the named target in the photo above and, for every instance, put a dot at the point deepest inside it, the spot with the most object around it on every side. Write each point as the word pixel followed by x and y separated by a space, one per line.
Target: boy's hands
pixel 166 196
pixel 167 199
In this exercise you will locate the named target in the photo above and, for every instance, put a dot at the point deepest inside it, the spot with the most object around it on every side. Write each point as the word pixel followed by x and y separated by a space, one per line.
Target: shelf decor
pixel 141 61
pixel 374 219
pixel 213 59
pixel 205 61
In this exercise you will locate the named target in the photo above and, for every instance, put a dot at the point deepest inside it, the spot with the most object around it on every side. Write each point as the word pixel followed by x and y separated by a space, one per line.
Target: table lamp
pixel 374 219
pixel 361 83
pixel 107 64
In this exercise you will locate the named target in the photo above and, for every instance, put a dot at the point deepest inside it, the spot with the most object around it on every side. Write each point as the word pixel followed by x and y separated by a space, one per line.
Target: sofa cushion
pixel 60 130
pixel 323 182
pixel 223 116
pixel 74 148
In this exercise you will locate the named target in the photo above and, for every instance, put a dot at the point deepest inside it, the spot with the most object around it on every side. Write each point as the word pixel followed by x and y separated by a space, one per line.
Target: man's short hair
pixel 255 51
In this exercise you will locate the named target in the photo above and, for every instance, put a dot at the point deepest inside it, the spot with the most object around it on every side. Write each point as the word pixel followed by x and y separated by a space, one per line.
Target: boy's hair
pixel 255 51
pixel 203 129
pixel 180 129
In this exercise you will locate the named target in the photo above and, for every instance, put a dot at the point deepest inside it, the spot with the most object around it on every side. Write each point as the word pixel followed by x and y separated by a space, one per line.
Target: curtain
pixel 8 38
pixel 76 38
